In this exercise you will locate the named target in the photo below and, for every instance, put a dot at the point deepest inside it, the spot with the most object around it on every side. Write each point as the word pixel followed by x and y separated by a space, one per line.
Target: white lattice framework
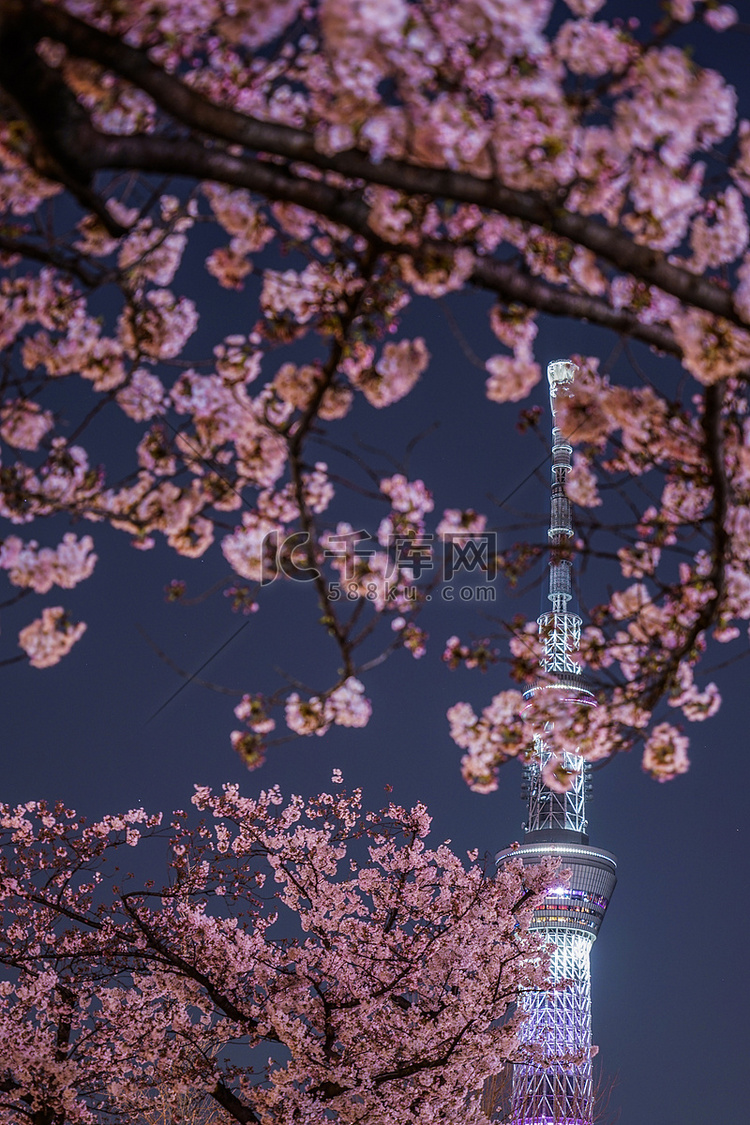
pixel 550 810
pixel 561 636
pixel 557 1088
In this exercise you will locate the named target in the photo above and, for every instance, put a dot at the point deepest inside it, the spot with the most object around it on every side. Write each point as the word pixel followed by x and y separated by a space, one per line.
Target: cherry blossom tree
pixel 567 164
pixel 304 962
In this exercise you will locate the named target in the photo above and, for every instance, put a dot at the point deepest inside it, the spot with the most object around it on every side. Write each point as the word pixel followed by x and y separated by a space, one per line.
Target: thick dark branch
pixel 409 1069
pixel 223 1002
pixel 50 107
pixel 40 92
pixel 66 911
pixel 50 255
pixel 71 131
pixel 189 157
pixel 232 1104
pixel 522 901
pixel 505 280
pixel 62 1040
pixel 546 211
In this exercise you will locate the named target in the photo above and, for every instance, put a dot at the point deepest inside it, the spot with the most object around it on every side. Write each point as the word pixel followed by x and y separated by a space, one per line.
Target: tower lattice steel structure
pixel 560 1091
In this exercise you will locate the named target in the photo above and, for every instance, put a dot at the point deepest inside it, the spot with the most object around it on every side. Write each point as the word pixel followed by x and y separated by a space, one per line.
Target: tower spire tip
pixel 561 374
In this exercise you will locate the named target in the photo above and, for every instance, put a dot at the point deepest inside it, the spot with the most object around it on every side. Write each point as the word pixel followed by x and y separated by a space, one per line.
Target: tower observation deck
pixel 560 1091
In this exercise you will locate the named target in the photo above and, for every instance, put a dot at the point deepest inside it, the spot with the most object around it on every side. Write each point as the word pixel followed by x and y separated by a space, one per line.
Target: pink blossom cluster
pixel 143 397
pixel 510 379
pixel 65 480
pixel 489 739
pixel 150 254
pixel 239 215
pixel 593 49
pixel 49 638
pixel 717 16
pixel 665 753
pixel 113 989
pixel 581 485
pixel 23 424
pixel 721 233
pixel 250 549
pixel 374 577
pixel 251 744
pixel 478 654
pixel 695 705
pixel 395 373
pixel 22 190
pixel 40 569
pixel 300 296
pixel 298 386
pixel 410 498
pixel 159 327
pixel 344 706
pixel 410 502
pixel 440 277
pixel 458 523
pixel 411 636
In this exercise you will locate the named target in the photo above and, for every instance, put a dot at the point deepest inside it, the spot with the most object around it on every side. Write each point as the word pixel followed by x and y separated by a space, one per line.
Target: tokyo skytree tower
pixel 560 1092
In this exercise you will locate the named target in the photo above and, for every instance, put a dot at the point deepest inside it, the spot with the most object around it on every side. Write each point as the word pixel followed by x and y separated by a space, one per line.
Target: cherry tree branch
pixel 186 157
pixel 232 1104
pixel 714 450
pixel 171 958
pixel 53 256
pixel 73 144
pixel 336 628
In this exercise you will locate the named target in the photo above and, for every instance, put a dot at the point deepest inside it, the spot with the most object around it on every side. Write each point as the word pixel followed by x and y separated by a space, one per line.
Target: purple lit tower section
pixel 560 1092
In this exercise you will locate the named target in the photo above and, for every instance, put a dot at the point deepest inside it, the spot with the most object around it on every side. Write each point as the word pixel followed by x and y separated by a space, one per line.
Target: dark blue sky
pixel 670 980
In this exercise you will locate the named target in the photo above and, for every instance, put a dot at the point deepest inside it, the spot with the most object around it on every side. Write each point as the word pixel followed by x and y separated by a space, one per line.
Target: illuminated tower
pixel 561 1093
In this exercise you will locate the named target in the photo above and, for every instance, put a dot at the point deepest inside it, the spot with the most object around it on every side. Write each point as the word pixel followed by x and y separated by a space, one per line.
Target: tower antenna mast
pixel 559 1091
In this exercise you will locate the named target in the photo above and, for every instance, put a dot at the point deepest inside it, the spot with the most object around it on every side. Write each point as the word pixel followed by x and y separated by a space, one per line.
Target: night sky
pixel 105 730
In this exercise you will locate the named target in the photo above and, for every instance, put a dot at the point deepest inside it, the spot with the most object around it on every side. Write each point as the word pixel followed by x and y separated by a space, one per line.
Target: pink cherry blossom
pixel 49 638
pixel 249 549
pixel 160 327
pixel 23 424
pixel 665 754
pixel 440 278
pixel 479 654
pixel 306 716
pixel 395 373
pixel 593 49
pixel 41 569
pixel 150 254
pixel 721 17
pixel 410 497
pixel 297 386
pixel 347 704
pixel 268 905
pixel 510 379
pixel 581 485
pixel 585 7
pixel 143 397
pixel 461 525
pixel 725 237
